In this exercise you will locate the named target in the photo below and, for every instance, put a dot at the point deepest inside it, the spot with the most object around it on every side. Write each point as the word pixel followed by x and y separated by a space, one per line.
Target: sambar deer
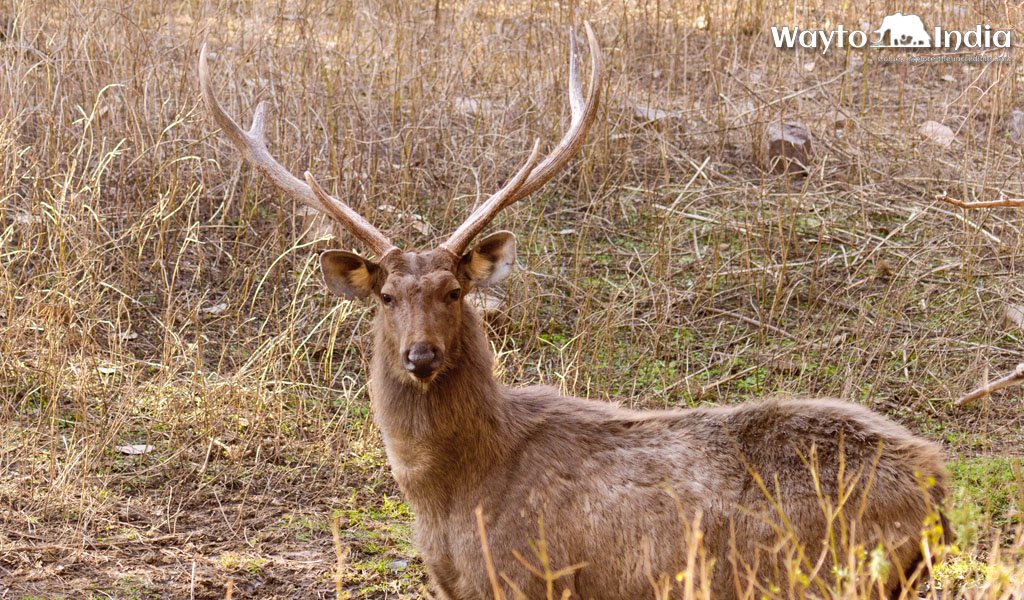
pixel 767 490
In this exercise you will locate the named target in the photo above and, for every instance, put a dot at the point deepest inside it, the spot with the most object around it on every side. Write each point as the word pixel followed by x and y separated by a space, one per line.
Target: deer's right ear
pixel 349 275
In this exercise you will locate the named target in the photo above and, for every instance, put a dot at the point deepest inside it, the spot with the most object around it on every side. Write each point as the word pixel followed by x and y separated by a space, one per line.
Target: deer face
pixel 420 298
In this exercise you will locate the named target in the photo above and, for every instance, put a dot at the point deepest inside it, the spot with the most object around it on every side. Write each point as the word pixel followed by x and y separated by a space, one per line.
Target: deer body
pixel 627 499
pixel 618 490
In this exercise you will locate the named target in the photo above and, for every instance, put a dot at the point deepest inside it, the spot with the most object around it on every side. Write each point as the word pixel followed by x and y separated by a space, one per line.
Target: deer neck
pixel 442 437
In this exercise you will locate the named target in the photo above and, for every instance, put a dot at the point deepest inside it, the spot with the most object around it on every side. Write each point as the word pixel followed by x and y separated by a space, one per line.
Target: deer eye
pixel 387 299
pixel 454 295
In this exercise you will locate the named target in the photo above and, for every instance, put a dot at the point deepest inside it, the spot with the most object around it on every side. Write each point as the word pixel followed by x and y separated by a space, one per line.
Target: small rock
pixel 491 306
pixel 784 364
pixel 314 224
pixel 27 219
pixel 1017 126
pixel 1014 315
pixel 477 107
pixel 216 309
pixel 937 133
pixel 648 114
pixel 789 147
pixel 421 226
pixel 398 565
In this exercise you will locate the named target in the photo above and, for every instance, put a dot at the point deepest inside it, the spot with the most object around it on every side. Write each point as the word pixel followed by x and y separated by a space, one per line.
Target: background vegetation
pixel 183 406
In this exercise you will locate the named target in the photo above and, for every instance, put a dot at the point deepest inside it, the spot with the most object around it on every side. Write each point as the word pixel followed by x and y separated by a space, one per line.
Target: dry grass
pixel 153 291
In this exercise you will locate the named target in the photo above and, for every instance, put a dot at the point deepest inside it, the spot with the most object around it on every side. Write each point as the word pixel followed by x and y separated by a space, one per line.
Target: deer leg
pixel 443 578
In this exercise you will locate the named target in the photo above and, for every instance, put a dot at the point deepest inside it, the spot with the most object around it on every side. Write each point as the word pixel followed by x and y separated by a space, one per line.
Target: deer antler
pixel 253 147
pixel 529 179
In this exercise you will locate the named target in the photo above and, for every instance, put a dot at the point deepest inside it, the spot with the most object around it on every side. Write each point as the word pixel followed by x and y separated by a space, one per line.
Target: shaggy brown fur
pixel 618 490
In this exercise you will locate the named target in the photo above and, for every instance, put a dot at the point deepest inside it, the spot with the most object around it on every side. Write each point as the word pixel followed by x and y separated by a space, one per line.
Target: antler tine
pixel 352 220
pixel 472 227
pixel 575 88
pixel 583 114
pixel 253 147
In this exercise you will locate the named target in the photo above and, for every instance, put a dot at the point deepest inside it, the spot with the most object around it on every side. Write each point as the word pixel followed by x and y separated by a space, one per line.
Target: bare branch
pixel 1004 203
pixel 1014 378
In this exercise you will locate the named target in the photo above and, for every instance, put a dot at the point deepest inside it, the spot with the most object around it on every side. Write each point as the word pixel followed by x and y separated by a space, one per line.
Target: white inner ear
pixel 502 268
pixel 493 259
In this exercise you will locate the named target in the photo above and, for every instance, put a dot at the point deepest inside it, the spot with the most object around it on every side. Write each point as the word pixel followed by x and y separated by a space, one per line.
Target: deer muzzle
pixel 423 359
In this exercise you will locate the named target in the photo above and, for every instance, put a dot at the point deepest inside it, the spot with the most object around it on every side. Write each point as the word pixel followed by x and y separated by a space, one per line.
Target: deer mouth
pixel 424 374
pixel 423 381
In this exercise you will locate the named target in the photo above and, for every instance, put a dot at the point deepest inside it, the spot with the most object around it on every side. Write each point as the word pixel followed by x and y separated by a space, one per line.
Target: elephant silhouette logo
pixel 902 31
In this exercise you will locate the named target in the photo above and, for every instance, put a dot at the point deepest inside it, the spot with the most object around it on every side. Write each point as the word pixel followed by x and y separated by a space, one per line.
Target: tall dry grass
pixel 153 291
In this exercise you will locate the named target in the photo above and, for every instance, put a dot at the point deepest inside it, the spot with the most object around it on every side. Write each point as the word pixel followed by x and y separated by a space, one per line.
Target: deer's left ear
pixel 490 261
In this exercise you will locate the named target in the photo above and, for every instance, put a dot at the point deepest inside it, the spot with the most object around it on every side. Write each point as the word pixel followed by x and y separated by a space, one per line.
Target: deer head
pixel 420 294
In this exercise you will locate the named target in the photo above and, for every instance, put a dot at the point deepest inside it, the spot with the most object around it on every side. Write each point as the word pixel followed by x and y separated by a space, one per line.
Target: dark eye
pixel 386 299
pixel 454 295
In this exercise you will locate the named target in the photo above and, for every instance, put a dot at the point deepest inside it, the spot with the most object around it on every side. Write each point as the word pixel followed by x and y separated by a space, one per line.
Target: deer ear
pixel 349 275
pixel 490 261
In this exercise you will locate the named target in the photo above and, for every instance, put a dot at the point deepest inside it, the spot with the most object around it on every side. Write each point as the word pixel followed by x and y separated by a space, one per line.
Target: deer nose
pixel 422 359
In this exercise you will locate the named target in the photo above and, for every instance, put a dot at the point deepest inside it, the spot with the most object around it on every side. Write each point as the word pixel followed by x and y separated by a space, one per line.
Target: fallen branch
pixel 91 544
pixel 1005 202
pixel 1014 378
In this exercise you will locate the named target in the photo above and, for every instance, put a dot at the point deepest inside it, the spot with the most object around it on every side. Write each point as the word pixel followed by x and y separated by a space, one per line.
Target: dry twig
pixel 1014 378
pixel 1004 203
